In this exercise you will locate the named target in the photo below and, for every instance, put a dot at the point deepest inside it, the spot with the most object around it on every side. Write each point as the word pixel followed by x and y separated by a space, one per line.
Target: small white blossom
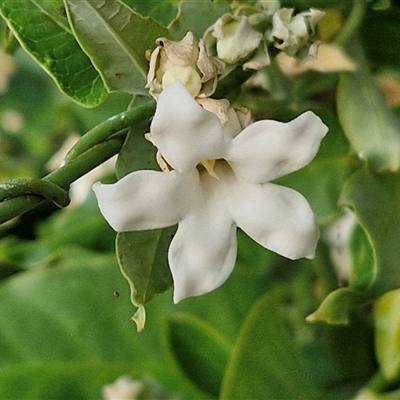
pixel 124 388
pixel 11 120
pixel 220 180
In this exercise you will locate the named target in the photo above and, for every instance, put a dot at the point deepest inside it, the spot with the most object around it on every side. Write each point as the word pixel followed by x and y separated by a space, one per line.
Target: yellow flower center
pixel 209 166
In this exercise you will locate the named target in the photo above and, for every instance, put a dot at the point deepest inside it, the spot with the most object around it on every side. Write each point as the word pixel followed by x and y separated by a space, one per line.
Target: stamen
pixel 209 166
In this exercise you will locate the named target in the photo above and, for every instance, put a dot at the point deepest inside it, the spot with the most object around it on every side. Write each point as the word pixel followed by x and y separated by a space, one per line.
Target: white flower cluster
pixel 246 35
pixel 242 38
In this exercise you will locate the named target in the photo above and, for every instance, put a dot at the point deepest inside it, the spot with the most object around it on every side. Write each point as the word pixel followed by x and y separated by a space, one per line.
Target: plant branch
pixel 96 146
pixel 113 125
pixel 36 186
pixel 62 177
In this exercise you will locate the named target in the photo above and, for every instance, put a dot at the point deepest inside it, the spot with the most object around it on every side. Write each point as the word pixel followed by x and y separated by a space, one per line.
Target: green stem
pixel 62 177
pixel 281 86
pixel 39 187
pixel 352 23
pixel 113 125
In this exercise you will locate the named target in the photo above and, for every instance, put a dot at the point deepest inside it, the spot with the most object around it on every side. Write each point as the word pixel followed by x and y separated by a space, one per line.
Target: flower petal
pixel 144 200
pixel 278 218
pixel 183 131
pixel 203 252
pixel 267 150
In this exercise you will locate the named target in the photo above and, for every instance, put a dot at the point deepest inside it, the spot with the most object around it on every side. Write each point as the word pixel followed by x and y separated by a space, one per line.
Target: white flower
pixel 209 207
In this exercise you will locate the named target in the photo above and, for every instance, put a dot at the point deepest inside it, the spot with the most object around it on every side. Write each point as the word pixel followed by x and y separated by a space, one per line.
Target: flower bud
pixel 236 39
pixel 294 34
pixel 186 61
pixel 233 120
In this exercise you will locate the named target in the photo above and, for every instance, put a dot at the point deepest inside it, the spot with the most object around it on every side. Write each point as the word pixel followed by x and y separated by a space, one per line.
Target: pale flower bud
pixel 7 69
pixel 233 120
pixel 186 61
pixel 294 34
pixel 234 40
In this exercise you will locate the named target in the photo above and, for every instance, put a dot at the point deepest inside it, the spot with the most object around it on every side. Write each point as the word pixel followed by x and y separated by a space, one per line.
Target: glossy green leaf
pixel 42 29
pixel 63 333
pixel 137 153
pixel 363 270
pixel 197 350
pixel 336 308
pixel 372 129
pixel 374 199
pixel 163 11
pixel 116 39
pixel 266 362
pixel 387 338
pixel 143 260
pixel 188 16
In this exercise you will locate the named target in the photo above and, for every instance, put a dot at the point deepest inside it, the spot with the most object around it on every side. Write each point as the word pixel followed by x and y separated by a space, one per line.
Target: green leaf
pixel 188 16
pixel 63 333
pixel 374 199
pixel 198 351
pixel 43 31
pixel 372 129
pixel 336 308
pixel 142 257
pixel 381 4
pixel 163 11
pixel 387 338
pixel 116 39
pixel 137 153
pixel 266 362
pixel 363 270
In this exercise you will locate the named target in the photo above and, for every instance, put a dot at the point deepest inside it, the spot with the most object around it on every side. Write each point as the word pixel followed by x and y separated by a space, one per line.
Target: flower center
pixel 209 165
